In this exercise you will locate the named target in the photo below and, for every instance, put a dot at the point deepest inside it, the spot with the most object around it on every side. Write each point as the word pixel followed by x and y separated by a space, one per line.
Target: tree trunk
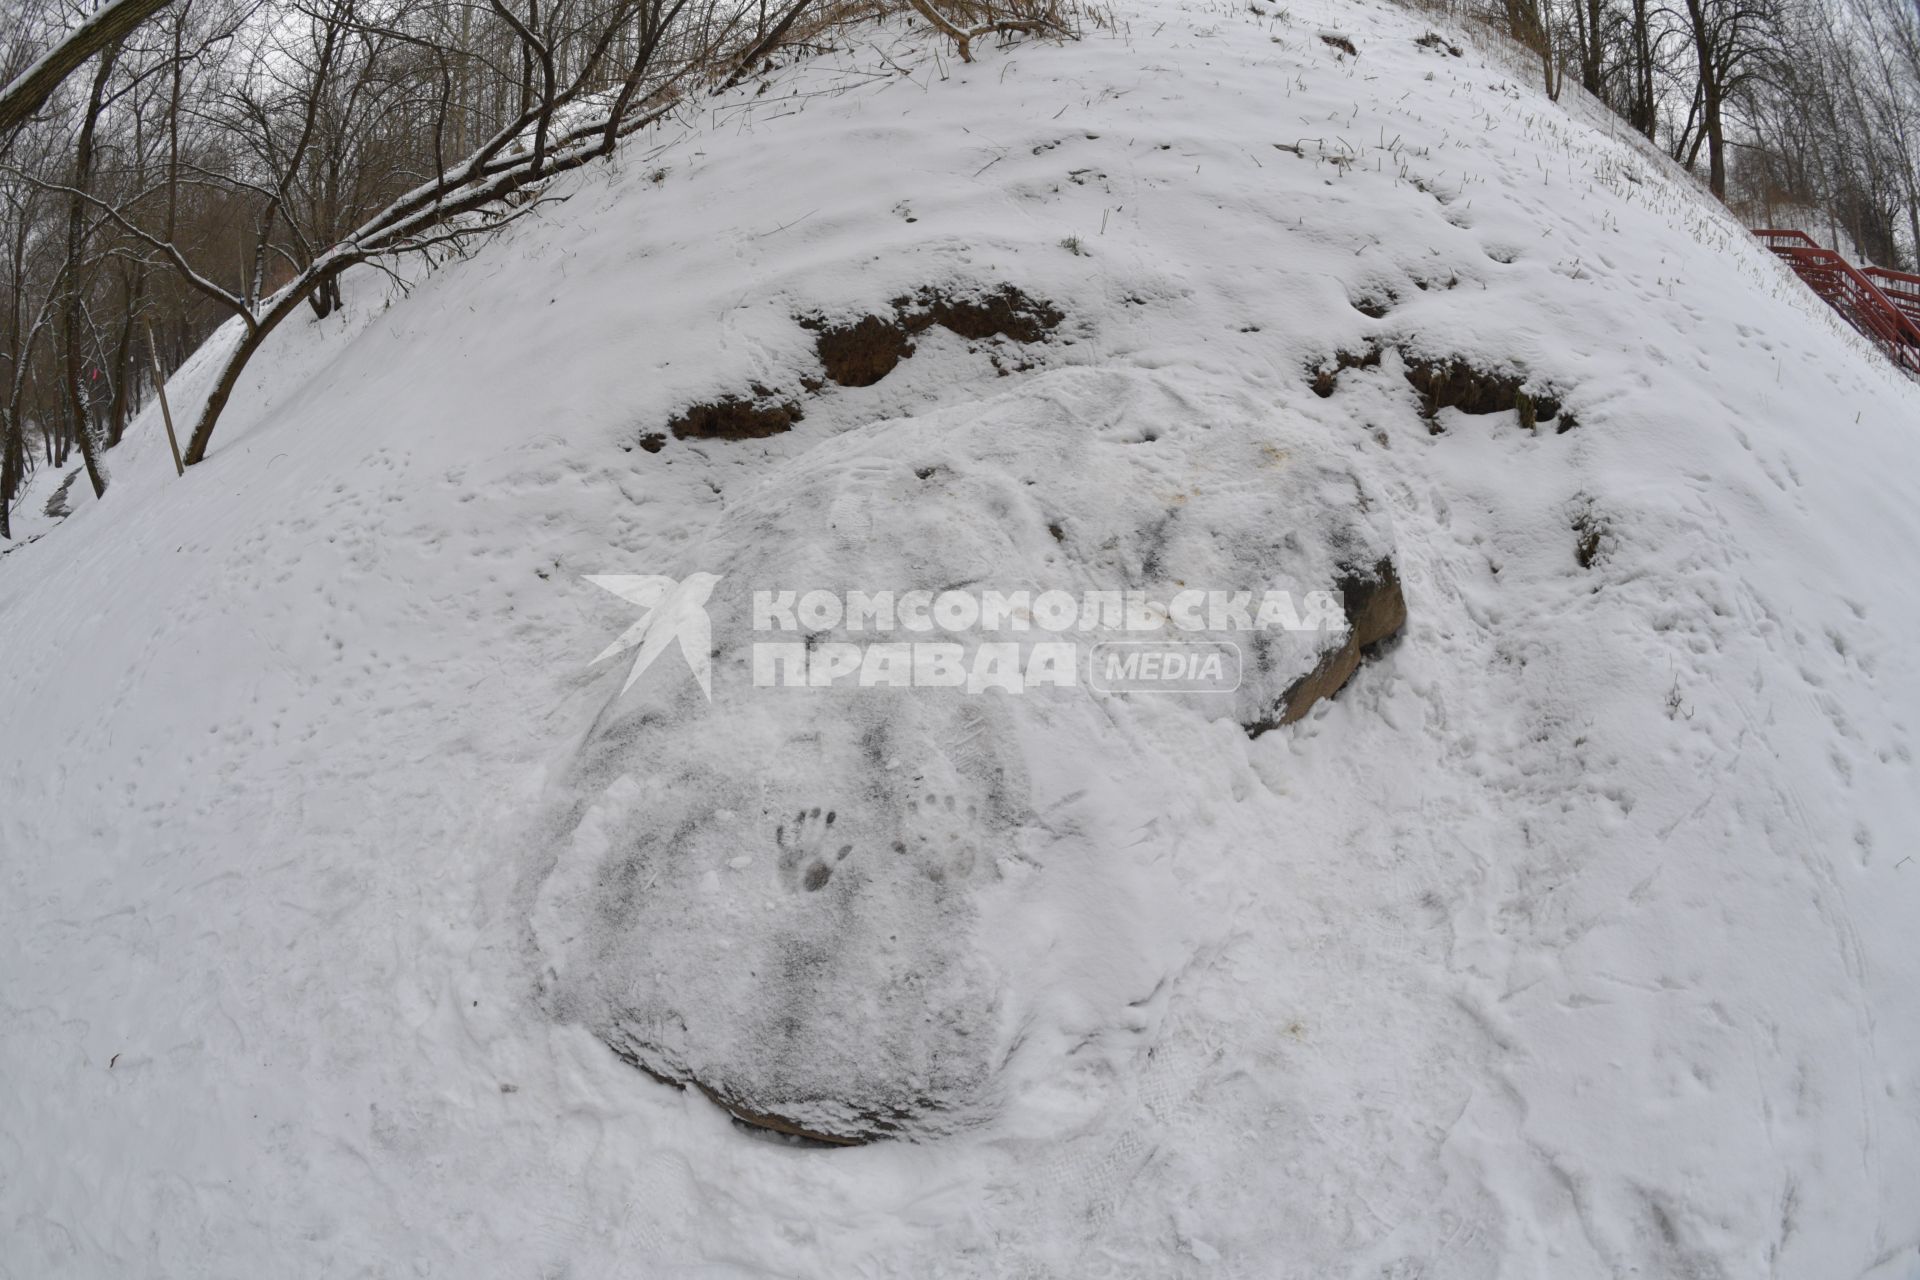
pixel 1716 147
pixel 1592 54
pixel 1710 91
pixel 251 341
pixel 1644 114
pixel 77 402
pixel 103 30
pixel 12 449
pixel 125 376
pixel 325 300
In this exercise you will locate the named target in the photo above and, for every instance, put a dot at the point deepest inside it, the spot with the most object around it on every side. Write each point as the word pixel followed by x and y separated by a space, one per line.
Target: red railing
pixel 1902 289
pixel 1884 305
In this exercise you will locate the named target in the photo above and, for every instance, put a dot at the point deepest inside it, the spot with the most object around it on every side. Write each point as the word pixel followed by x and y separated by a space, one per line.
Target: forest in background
pixel 168 166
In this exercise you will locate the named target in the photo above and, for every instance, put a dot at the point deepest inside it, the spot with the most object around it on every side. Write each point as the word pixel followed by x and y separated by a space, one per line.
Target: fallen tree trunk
pixel 108 27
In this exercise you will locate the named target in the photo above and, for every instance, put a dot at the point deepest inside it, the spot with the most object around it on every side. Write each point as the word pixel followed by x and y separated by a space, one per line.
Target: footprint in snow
pixel 805 861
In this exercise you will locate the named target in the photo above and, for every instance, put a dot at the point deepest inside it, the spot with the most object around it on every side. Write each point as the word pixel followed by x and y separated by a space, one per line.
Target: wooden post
pixel 160 389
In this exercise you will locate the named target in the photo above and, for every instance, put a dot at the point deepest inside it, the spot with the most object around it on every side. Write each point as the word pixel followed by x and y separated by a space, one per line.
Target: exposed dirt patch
pixel 860 352
pixel 732 418
pixel 1591 538
pixel 1458 384
pixel 1005 313
pixel 1455 384
pixel 1376 610
pixel 863 352
pixel 1327 377
pixel 746 1114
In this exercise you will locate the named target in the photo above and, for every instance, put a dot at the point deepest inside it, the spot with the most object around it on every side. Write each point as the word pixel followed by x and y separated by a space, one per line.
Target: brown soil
pixel 1455 384
pixel 732 418
pixel 861 353
pixel 1590 531
pixel 1376 610
pixel 744 1114
pixel 870 1127
pixel 1325 379
pixel 1004 313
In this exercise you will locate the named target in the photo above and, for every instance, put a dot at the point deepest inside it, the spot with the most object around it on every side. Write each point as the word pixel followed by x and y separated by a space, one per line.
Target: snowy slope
pixel 1572 939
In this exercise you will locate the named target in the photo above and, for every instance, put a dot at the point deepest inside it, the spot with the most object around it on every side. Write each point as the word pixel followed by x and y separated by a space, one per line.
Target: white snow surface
pixel 1574 938
pixel 983 904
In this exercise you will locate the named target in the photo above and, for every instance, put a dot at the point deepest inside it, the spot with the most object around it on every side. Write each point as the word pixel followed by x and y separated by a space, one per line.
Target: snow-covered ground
pixel 1574 938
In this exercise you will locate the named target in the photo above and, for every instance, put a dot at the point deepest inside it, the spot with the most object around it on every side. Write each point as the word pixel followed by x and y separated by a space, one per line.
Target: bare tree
pixel 353 57
pixel 75 271
pixel 229 162
pixel 1733 43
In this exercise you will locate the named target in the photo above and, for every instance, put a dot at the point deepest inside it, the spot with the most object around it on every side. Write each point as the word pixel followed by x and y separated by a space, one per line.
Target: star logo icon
pixel 675 611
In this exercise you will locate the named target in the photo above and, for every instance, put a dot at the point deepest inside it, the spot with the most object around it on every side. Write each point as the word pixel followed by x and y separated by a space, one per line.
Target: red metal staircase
pixel 1884 305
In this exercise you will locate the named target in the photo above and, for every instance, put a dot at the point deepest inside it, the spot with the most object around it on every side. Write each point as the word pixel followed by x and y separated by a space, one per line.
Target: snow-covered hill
pixel 1573 938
